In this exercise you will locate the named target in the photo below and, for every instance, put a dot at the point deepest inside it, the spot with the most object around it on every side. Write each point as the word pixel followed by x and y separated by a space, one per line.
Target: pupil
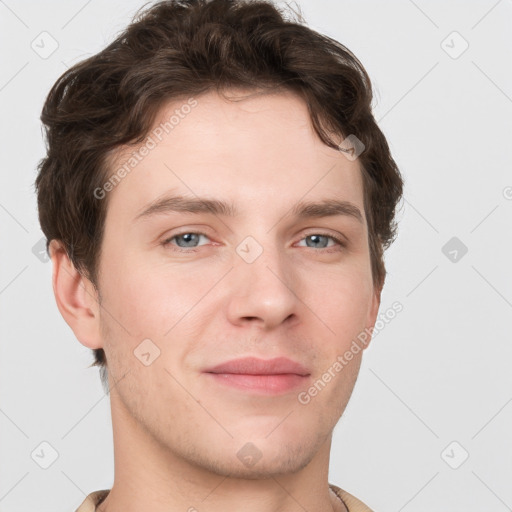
pixel 188 237
pixel 315 238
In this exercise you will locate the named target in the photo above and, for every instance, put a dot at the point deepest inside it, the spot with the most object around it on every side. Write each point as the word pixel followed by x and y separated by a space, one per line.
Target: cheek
pixel 340 298
pixel 148 301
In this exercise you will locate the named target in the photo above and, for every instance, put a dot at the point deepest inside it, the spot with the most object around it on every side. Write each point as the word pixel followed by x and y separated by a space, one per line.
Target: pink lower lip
pixel 271 384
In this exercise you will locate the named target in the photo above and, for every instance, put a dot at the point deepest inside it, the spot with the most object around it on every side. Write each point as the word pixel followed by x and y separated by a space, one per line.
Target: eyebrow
pixel 301 210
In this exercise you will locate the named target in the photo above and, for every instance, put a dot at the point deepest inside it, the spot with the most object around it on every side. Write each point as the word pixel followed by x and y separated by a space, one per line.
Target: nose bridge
pixel 262 259
pixel 262 282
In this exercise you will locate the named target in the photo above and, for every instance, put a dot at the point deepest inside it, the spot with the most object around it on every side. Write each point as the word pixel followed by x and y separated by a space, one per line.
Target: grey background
pixel 437 373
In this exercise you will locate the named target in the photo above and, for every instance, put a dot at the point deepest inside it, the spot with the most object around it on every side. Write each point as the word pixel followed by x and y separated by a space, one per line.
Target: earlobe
pixel 76 297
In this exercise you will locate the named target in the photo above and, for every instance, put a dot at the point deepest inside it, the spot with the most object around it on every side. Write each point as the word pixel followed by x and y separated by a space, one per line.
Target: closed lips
pixel 256 366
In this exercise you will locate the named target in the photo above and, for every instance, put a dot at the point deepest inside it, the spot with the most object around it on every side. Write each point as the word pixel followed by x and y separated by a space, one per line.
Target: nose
pixel 264 291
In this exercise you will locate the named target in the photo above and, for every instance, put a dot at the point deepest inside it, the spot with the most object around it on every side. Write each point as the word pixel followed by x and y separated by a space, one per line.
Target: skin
pixel 177 433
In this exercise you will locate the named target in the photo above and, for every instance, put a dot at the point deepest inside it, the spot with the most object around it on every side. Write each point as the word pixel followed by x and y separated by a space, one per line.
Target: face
pixel 183 291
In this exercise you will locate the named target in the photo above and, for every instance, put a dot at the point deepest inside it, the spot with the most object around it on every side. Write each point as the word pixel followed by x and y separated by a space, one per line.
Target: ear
pixel 76 297
pixel 373 311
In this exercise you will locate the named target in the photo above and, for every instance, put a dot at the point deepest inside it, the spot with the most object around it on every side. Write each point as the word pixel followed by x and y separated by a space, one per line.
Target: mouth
pixel 272 376
pixel 267 384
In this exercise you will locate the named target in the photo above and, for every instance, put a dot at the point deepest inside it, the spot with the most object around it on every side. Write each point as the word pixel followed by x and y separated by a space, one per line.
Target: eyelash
pixel 167 242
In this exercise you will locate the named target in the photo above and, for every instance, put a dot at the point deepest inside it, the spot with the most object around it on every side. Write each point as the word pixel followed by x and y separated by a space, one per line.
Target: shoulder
pixel 92 501
pixel 351 502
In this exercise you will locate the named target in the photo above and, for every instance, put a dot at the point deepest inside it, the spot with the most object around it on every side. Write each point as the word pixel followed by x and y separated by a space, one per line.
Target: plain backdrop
pixel 429 424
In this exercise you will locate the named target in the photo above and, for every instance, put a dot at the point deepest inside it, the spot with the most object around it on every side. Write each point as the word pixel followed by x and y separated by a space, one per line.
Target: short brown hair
pixel 179 48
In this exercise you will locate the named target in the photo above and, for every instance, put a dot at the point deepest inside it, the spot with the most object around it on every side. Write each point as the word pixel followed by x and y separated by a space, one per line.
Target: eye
pixel 189 239
pixel 317 240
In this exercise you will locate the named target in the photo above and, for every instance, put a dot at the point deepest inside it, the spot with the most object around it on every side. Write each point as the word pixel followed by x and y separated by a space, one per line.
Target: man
pixel 217 198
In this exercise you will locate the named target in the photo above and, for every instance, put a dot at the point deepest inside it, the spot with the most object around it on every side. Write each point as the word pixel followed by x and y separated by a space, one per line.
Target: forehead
pixel 251 150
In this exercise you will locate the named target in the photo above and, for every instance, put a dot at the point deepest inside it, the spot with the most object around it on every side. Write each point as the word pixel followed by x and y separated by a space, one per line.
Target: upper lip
pixel 255 366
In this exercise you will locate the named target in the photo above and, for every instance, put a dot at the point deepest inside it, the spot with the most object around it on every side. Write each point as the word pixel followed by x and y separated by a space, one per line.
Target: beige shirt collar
pixel 352 503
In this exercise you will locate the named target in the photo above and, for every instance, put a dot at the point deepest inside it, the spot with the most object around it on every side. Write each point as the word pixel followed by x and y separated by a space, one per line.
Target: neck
pixel 149 476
